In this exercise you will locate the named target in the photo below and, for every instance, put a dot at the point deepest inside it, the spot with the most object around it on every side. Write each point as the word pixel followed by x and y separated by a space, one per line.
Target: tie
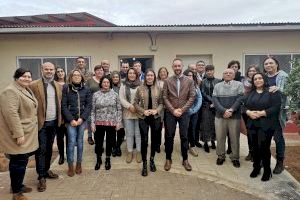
pixel 178 86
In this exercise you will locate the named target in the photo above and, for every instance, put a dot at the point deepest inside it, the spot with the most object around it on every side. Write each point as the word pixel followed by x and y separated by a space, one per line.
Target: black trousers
pixel 118 138
pixel 99 138
pixel 144 125
pixel 261 141
pixel 170 128
pixel 17 169
pixel 60 139
pixel 44 153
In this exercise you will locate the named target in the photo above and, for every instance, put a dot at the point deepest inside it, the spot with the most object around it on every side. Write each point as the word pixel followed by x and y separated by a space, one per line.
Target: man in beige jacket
pixel 48 93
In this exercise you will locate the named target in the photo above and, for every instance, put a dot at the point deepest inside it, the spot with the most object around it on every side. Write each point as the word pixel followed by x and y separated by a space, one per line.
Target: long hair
pixel 248 69
pixel 265 87
pixel 186 72
pixel 147 71
pixel 275 60
pixel 55 75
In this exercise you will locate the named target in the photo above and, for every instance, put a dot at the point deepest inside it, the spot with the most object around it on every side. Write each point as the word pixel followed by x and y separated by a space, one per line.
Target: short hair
pixel 233 62
pixel 209 67
pixel 80 57
pixel 175 59
pixel 158 77
pixel 71 75
pixel 273 58
pixel 200 61
pixel 108 78
pixel 136 62
pixel 20 72
pixel 98 67
pixel 147 71
pixel 124 62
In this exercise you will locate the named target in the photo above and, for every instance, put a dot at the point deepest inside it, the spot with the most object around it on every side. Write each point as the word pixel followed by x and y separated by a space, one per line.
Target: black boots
pixel 206 148
pixel 114 152
pixel 249 157
pixel 213 144
pixel 152 165
pixel 255 172
pixel 144 170
pixel 266 175
pixel 279 166
pixel 61 160
pixel 99 162
pixel 118 152
pixel 107 163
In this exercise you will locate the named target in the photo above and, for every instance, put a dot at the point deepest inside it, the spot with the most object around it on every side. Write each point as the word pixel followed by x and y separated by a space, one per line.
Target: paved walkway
pixel 123 181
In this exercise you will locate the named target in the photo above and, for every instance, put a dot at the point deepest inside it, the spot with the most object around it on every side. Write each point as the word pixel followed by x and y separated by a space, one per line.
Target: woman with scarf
pixel 276 79
pixel 120 134
pixel 76 108
pixel 207 125
pixel 130 116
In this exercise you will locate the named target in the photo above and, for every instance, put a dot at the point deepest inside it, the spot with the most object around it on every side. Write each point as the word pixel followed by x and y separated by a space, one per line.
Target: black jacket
pixel 76 103
pixel 270 102
pixel 207 91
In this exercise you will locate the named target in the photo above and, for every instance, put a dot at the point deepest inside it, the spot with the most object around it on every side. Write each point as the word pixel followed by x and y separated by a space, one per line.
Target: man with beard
pixel 48 93
pixel 179 95
pixel 124 69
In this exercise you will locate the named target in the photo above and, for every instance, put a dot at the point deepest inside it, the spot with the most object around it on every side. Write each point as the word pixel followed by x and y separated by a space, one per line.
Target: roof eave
pixel 149 29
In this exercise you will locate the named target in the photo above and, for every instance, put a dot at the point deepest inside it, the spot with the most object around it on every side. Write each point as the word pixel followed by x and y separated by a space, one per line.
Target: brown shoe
pixel 19 196
pixel 41 187
pixel 71 170
pixel 25 189
pixel 78 169
pixel 187 165
pixel 51 175
pixel 168 165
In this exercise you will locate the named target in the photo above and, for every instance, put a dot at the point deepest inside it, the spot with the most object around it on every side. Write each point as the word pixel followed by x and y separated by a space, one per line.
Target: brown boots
pixel 78 169
pixel 71 170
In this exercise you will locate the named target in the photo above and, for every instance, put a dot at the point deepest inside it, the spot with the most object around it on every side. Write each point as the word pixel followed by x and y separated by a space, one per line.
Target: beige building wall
pixel 222 46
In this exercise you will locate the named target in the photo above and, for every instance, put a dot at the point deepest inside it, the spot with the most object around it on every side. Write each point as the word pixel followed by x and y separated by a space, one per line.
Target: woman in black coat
pixel 263 108
pixel 76 109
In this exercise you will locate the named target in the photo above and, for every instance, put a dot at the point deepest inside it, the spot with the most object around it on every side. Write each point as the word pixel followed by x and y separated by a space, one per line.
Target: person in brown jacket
pixel 149 103
pixel 179 95
pixel 18 129
pixel 48 93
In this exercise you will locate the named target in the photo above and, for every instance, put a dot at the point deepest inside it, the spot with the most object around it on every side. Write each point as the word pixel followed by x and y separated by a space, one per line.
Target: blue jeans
pixel 132 131
pixel 44 153
pixel 192 131
pixel 75 136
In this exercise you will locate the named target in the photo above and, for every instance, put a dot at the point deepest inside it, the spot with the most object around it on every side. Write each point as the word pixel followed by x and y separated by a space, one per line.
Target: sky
pixel 163 12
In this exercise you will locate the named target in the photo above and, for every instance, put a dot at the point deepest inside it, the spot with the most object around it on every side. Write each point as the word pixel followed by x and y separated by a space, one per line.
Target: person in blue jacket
pixel 193 112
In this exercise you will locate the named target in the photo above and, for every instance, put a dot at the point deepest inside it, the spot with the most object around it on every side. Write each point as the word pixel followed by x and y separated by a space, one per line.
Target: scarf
pixel 130 85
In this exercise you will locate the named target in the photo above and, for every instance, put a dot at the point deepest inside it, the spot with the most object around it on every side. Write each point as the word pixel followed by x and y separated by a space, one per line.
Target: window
pixel 34 63
pixel 146 61
pixel 283 59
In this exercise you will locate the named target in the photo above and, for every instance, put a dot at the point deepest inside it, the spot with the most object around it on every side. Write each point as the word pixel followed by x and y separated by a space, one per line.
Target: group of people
pixel 128 103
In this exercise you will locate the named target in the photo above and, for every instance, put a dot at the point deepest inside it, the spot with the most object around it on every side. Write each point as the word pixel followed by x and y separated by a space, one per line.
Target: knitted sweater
pixel 226 96
pixel 106 109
